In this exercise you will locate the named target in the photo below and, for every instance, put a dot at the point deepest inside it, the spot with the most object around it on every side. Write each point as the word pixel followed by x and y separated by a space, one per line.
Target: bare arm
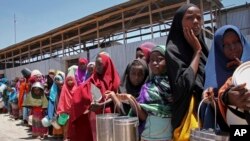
pixel 136 107
pixel 116 101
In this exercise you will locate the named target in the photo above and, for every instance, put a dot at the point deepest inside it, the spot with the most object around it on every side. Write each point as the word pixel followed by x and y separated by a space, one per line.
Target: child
pixel 154 102
pixel 134 77
pixel 11 92
pixel 38 104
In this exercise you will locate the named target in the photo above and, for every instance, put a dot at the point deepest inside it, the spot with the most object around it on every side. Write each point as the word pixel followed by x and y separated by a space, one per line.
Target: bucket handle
pixel 133 102
pixel 104 106
pixel 215 112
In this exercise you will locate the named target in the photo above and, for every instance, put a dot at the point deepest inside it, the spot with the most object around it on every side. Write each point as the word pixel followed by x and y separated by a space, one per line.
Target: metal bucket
pixel 125 128
pixel 104 126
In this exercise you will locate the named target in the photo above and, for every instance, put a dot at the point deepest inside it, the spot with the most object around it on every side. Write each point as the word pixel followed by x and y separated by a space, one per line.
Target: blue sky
pixel 35 17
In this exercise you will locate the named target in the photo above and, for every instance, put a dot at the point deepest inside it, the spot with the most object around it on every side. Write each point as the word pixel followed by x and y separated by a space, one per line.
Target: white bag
pixel 1 104
pixel 30 120
pixel 46 122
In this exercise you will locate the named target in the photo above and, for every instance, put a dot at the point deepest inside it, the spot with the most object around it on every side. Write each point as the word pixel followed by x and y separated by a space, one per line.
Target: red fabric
pixel 83 61
pixel 80 124
pixel 148 45
pixel 146 52
pixel 222 107
pixel 32 79
pixel 146 49
pixel 66 95
pixel 23 89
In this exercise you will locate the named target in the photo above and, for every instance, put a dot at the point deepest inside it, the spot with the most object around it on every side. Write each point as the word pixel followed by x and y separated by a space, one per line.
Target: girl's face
pixel 36 90
pixel 99 65
pixel 91 68
pixel 70 82
pixel 136 75
pixel 232 46
pixel 9 89
pixel 59 84
pixel 82 66
pixel 193 20
pixel 39 77
pixel 157 63
pixel 140 55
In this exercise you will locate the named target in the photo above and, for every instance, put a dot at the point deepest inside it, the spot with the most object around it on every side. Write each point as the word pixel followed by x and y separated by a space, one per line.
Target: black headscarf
pixel 126 85
pixel 184 83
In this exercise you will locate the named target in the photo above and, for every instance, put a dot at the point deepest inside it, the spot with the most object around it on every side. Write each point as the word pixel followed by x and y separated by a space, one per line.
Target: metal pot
pixel 104 126
pixel 125 129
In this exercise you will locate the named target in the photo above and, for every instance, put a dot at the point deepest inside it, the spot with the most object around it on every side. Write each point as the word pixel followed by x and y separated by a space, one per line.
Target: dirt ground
pixel 14 130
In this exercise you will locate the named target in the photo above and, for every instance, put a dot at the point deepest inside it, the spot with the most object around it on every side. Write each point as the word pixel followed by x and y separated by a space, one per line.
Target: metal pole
pixel 15 27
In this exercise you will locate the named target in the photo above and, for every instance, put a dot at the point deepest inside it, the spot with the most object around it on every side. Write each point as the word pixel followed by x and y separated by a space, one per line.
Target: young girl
pixel 83 112
pixel 134 77
pixel 154 102
pixel 65 99
pixel 229 49
pixel 38 104
pixel 54 96
pixel 186 58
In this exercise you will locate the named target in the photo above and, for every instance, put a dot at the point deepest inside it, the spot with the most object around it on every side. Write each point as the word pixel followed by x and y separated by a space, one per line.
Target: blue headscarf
pixel 216 71
pixel 4 80
pixel 53 96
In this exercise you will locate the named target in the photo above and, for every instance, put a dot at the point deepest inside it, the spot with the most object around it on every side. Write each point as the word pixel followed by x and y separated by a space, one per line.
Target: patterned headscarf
pixel 155 95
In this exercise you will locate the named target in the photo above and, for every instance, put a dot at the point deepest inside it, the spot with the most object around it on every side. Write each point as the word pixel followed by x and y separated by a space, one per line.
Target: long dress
pixel 82 126
pixel 185 84
pixel 38 105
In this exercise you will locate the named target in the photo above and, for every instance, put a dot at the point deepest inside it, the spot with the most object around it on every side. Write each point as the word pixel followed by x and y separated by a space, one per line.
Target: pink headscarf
pixel 83 61
pixel 67 92
pixel 146 48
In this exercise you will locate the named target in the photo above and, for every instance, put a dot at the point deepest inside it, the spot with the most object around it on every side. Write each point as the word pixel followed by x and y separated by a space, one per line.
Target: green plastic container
pixel 62 119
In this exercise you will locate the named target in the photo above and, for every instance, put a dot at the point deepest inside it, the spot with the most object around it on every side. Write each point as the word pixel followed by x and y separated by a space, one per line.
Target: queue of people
pixel 164 85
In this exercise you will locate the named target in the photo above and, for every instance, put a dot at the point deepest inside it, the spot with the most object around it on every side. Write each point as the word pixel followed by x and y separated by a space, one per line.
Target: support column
pixel 151 20
pixel 97 34
pixel 124 29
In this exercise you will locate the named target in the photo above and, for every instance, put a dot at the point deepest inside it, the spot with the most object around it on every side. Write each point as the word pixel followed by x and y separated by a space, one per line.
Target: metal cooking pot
pixel 104 126
pixel 125 128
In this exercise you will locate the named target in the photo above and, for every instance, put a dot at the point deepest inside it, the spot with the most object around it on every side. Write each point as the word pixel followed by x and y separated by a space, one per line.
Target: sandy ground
pixel 13 130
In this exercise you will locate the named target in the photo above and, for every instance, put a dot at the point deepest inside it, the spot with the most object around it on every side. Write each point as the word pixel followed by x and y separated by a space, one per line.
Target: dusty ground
pixel 13 130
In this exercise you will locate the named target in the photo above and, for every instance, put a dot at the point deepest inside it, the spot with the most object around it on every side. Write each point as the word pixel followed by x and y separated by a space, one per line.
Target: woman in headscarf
pixel 65 100
pixel 81 71
pixel 143 51
pixel 23 92
pixel 54 96
pixel 21 88
pixel 90 69
pixel 186 58
pixel 13 100
pixel 4 96
pixel 37 76
pixel 83 113
pixel 228 51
